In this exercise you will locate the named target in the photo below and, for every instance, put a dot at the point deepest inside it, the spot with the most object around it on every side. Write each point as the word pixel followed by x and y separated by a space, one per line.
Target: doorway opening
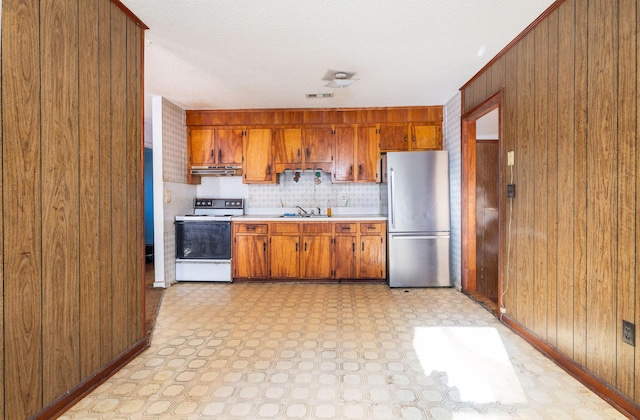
pixel 481 203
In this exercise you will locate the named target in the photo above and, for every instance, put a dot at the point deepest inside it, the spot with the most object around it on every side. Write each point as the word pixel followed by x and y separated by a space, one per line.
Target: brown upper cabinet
pixel 257 162
pixel 303 148
pixel 215 146
pixel 410 137
pixel 356 154
pixel 345 142
pixel 394 138
pixel 426 136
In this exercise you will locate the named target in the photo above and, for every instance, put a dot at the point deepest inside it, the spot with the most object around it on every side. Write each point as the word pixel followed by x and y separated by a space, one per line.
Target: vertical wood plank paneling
pixel 104 216
pixel 601 192
pixel 119 178
pixel 134 186
pixel 57 198
pixel 566 169
pixel 2 371
pixel 571 114
pixel 21 218
pixel 626 159
pixel 540 244
pixel 510 281
pixel 580 184
pixel 89 187
pixel 497 75
pixel 636 306
pixel 525 167
pixel 551 121
pixel 60 197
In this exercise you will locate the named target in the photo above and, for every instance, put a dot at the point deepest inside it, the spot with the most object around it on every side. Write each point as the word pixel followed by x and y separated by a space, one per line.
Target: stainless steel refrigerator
pixel 419 219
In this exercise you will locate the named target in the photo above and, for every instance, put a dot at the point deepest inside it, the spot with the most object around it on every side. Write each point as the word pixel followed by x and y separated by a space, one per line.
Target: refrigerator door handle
pixel 410 236
pixel 392 218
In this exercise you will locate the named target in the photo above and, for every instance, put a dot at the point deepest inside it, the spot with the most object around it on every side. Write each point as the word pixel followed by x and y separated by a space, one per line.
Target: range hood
pixel 216 170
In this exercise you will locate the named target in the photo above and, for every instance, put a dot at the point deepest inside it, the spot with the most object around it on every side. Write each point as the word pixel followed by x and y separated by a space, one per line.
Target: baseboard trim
pixel 617 400
pixel 63 403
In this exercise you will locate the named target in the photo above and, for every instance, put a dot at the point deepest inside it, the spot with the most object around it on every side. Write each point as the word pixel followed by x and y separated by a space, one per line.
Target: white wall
pixel 172 194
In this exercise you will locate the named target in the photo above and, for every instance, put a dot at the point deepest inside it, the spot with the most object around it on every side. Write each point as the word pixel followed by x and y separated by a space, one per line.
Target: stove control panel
pixel 218 203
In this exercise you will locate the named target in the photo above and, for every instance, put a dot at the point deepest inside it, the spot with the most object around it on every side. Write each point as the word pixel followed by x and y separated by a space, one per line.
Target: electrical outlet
pixel 251 198
pixel 629 332
pixel 511 190
pixel 167 196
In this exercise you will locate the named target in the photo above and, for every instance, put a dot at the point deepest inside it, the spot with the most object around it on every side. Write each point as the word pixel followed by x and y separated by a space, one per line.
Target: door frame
pixel 468 191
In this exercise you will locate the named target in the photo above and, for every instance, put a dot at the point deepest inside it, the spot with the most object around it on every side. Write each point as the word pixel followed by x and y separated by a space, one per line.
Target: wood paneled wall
pixel 571 114
pixel 72 240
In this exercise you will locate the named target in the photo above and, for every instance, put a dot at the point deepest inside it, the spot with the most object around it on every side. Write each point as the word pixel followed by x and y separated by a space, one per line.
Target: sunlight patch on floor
pixel 472 360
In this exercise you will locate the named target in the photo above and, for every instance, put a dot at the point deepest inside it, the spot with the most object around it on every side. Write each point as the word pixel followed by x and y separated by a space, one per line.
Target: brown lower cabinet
pixel 360 250
pixel 309 250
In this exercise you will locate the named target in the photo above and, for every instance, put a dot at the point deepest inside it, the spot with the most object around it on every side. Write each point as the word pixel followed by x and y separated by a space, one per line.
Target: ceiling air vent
pixel 319 95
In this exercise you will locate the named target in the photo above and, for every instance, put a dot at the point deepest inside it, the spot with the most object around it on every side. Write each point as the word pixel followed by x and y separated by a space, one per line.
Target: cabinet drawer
pixel 371 228
pixel 316 228
pixel 251 228
pixel 288 227
pixel 346 228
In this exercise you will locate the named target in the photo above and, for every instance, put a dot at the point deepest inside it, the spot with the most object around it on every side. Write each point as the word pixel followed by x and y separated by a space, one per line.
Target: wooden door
pixel 229 146
pixel 201 146
pixel 317 144
pixel 393 137
pixel 287 145
pixel 372 257
pixel 285 256
pixel 487 219
pixel 257 161
pixel 344 154
pixel 367 155
pixel 250 256
pixel 316 256
pixel 426 137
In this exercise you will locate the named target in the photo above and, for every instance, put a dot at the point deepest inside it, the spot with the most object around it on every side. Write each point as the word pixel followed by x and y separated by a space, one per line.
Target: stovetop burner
pixel 218 207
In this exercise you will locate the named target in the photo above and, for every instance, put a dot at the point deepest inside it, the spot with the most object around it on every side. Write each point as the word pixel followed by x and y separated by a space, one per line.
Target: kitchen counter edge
pixel 278 218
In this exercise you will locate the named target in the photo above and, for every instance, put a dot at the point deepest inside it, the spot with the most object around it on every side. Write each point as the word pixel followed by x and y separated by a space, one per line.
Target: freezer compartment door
pixel 418 260
pixel 418 191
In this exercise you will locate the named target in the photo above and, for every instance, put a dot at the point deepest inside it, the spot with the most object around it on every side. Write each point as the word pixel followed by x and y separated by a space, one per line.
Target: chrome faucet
pixel 301 210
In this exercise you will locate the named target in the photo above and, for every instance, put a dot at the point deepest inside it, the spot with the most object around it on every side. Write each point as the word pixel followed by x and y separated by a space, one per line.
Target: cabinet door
pixel 228 146
pixel 316 257
pixel 393 137
pixel 257 165
pixel 345 257
pixel 317 144
pixel 344 149
pixel 284 256
pixel 287 145
pixel 426 137
pixel 372 257
pixel 367 155
pixel 250 256
pixel 201 147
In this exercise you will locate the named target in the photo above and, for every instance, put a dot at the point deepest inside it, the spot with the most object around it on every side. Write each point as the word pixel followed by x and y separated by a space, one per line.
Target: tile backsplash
pixel 309 191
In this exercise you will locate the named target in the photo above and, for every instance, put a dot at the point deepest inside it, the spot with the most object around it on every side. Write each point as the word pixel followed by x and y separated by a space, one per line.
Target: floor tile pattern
pixel 320 351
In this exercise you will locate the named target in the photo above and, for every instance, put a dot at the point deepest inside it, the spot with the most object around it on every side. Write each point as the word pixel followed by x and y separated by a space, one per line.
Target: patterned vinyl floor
pixel 320 351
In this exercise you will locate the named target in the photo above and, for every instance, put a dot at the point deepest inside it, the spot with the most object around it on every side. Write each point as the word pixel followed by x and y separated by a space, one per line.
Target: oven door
pixel 203 240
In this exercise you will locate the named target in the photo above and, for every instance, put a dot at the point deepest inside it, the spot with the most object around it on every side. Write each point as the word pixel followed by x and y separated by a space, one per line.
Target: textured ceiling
pixel 229 54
